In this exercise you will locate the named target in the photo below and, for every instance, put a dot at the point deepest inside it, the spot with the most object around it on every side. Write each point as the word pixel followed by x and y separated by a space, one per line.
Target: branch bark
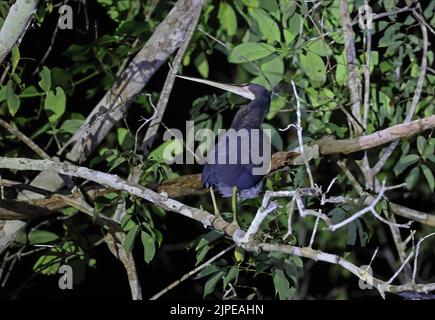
pixel 353 82
pixel 329 145
pixel 15 25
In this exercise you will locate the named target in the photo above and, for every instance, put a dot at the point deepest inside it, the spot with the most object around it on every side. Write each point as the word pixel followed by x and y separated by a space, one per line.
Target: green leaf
pixel 45 82
pixel 232 274
pixel 250 51
pixel 421 143
pixel 12 99
pixel 275 106
pixel 341 69
pixel 125 140
pixel 50 263
pixel 275 136
pixel 405 147
pixel 55 104
pixel 167 151
pixel 227 18
pixel 269 5
pixel 294 24
pixel 128 223
pixel 314 67
pixel 267 25
pixel 239 254
pixel 287 8
pixel 15 57
pixel 273 69
pixel 201 253
pixel 431 157
pixel 412 178
pixel 251 3
pixel 41 236
pixel 282 285
pixel 201 64
pixel 429 177
pixel 429 148
pixel 30 91
pixel 130 238
pixel 207 271
pixel 319 47
pixel 208 238
pixel 71 125
pixel 212 282
pixel 352 233
pixel 405 162
pixel 288 37
pixel 149 246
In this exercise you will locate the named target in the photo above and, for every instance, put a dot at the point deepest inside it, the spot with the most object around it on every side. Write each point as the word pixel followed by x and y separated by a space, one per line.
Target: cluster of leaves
pixel 269 42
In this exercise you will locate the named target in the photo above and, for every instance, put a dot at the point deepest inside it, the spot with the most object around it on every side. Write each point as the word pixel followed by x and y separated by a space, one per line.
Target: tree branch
pixel 15 25
pixel 207 219
pixel 167 88
pixel 353 82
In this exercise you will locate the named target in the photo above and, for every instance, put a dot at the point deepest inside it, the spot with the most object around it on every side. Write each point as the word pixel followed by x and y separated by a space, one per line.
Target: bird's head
pixel 257 90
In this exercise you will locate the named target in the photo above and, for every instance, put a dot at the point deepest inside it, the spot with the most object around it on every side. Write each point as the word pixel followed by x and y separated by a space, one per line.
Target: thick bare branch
pixel 329 145
pixel 15 25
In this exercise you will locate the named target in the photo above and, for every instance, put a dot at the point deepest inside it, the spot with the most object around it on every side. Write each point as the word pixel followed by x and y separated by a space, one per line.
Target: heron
pixel 238 179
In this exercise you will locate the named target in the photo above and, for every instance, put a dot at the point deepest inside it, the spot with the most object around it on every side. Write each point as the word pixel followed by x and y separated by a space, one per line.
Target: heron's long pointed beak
pixel 239 90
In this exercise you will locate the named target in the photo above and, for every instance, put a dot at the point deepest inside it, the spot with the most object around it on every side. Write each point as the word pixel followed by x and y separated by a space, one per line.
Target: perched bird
pixel 238 178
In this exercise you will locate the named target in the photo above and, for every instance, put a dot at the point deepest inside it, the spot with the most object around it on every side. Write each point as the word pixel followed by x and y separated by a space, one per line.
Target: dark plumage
pixel 225 176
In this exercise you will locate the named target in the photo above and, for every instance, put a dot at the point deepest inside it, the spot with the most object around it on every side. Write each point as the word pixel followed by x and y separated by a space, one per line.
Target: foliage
pixel 268 42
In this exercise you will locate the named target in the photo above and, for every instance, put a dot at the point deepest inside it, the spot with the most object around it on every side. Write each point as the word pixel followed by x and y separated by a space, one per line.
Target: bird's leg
pixel 234 203
pixel 215 207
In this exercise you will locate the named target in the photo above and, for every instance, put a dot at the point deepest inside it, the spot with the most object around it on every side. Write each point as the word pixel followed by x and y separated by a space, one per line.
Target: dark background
pixel 108 280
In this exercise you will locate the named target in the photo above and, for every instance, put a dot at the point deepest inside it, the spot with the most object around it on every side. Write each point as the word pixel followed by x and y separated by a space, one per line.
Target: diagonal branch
pixel 25 139
pixel 167 88
pixel 15 24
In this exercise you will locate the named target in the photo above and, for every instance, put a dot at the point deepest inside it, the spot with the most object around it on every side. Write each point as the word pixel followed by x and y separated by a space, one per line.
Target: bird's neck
pixel 251 116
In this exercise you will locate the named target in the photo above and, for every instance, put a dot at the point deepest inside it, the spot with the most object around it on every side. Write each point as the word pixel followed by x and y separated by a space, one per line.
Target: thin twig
pixel 313 235
pixel 25 139
pixel 190 273
pixel 417 251
pixel 299 133
pixel 290 211
pixel 50 47
pixel 405 262
pixel 373 257
pixel 370 208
